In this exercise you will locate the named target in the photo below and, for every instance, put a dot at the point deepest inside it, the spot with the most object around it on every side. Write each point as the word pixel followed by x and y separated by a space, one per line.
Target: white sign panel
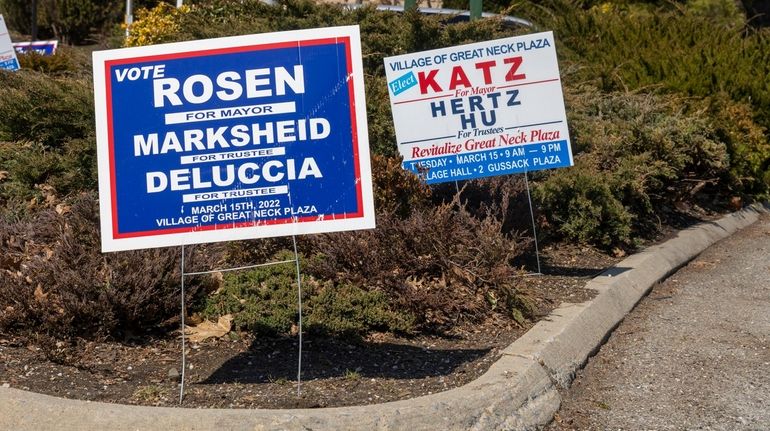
pixel 479 110
pixel 8 58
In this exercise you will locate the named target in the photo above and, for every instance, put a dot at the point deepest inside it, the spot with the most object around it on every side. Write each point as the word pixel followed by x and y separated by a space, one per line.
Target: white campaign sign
pixel 8 58
pixel 478 110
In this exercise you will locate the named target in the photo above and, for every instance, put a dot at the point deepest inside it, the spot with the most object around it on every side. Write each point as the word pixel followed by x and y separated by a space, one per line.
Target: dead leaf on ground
pixel 40 296
pixel 219 281
pixel 207 329
pixel 195 319
pixel 62 209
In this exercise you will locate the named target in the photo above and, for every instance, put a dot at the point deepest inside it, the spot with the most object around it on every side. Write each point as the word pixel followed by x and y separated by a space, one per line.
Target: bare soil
pixel 241 371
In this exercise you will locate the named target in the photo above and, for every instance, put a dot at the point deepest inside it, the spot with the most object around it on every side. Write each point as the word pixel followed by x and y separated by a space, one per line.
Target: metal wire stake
pixel 299 304
pixel 184 355
pixel 534 229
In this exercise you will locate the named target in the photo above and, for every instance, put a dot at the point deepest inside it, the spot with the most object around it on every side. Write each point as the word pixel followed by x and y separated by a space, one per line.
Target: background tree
pixel 79 21
pixel 17 14
pixel 75 22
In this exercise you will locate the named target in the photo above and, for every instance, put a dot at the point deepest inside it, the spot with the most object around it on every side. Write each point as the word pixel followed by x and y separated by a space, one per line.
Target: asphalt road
pixel 693 355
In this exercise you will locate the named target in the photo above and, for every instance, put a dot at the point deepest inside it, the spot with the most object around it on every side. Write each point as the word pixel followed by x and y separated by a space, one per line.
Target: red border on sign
pixel 108 65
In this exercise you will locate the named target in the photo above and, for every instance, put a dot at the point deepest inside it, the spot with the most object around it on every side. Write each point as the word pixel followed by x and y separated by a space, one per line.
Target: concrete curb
pixel 519 391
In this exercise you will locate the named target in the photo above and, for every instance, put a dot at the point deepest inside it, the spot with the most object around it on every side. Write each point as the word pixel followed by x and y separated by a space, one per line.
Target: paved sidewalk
pixel 694 354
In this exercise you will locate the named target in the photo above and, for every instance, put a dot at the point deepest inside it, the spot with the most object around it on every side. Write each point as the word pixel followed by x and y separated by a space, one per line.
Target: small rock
pixel 6 385
pixel 173 374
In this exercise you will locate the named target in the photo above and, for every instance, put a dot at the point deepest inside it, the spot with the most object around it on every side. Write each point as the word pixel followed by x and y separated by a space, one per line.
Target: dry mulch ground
pixel 241 371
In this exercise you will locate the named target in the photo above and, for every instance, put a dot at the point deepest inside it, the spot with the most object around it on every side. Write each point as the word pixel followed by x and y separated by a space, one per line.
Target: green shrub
pixel 27 166
pixel 264 300
pixel 56 281
pixel 70 21
pixel 726 11
pixel 664 138
pixel 635 153
pixel 16 14
pixel 48 128
pixel 642 48
pixel 748 144
pixel 382 135
pixel 65 171
pixel 429 270
pixel 351 310
pixel 156 25
pixel 67 62
pixel 57 64
pixel 396 190
pixel 581 205
pixel 439 264
pixel 46 110
pixel 79 22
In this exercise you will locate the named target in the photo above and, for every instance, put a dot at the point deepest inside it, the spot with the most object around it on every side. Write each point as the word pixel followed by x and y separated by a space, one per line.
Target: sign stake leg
pixel 299 307
pixel 184 355
pixel 534 228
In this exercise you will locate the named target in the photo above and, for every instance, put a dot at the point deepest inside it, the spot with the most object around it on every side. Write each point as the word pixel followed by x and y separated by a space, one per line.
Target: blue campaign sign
pixel 232 138
pixel 41 47
pixel 479 110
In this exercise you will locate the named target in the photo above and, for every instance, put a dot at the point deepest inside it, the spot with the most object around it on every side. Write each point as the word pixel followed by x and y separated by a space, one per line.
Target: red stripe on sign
pixel 424 98
pixel 354 130
pixel 111 150
pixel 528 83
